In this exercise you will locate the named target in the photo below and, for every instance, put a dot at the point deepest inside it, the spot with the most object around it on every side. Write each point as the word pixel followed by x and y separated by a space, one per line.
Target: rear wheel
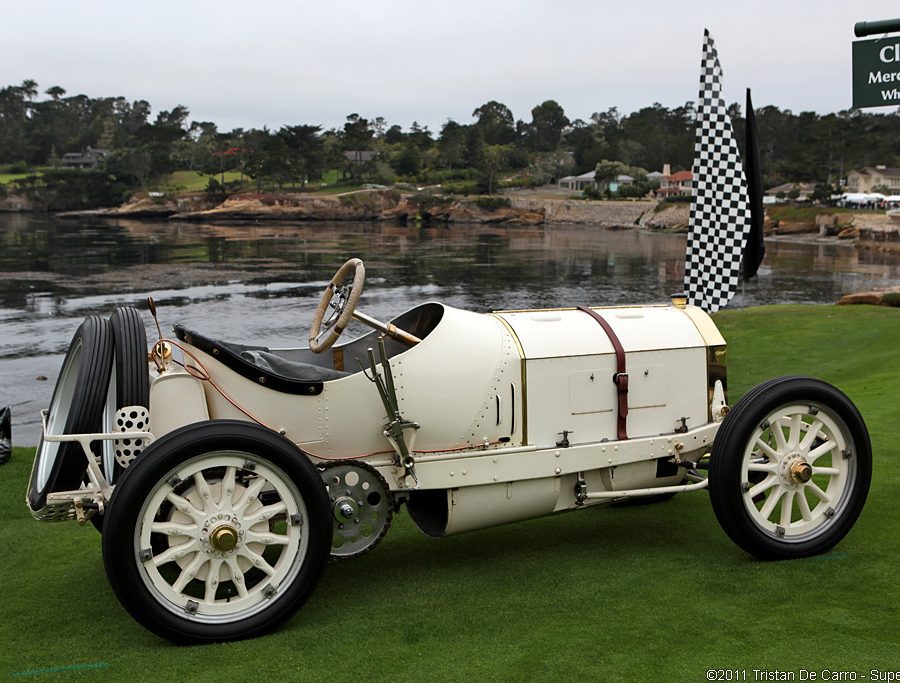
pixel 219 531
pixel 791 468
pixel 75 408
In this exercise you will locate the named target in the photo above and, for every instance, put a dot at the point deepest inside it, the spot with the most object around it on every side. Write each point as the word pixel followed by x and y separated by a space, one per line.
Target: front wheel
pixel 790 469
pixel 219 531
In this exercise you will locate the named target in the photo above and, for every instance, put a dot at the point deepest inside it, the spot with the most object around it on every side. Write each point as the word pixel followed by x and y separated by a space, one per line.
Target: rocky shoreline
pixel 390 205
pixel 868 230
pixel 360 205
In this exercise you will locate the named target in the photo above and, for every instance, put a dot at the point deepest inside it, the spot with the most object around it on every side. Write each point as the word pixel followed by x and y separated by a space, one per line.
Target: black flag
pixel 756 247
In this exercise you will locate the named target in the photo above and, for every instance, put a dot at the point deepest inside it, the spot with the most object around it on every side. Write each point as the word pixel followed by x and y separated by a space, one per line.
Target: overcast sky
pixel 259 62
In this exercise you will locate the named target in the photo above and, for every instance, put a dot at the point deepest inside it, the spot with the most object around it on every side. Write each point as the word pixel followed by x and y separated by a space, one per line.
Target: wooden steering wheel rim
pixel 317 344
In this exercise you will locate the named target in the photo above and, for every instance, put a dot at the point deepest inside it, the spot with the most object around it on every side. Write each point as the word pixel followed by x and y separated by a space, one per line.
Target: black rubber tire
pixel 726 466
pixel 129 385
pixel 80 391
pixel 132 377
pixel 179 451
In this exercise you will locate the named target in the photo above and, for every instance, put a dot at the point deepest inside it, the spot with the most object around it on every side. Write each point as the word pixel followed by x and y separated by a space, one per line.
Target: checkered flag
pixel 720 213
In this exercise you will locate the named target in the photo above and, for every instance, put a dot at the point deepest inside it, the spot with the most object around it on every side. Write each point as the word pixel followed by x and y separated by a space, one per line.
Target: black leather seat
pixel 258 364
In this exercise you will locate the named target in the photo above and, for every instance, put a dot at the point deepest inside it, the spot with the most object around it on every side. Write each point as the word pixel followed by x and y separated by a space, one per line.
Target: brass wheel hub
pixel 221 534
pixel 801 472
pixel 795 472
pixel 223 538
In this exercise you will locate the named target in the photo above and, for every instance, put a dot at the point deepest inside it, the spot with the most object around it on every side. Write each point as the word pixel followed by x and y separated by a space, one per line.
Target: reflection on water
pixel 261 282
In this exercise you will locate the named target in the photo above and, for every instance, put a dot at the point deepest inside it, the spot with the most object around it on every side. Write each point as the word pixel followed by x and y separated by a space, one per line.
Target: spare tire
pixel 75 408
pixel 129 382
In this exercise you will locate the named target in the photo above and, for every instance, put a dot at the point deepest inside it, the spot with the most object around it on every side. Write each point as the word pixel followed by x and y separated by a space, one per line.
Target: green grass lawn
pixel 654 593
pixel 10 177
pixel 6 177
pixel 192 181
pixel 804 213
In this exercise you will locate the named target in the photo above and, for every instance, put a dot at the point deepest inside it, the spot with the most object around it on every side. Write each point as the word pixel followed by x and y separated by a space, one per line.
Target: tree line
pixel 37 129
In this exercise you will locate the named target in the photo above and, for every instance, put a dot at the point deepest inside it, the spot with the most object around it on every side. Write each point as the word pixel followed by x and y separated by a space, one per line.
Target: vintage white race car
pixel 226 476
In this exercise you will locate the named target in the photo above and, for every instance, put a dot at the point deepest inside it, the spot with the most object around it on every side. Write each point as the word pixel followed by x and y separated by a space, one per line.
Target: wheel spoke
pixel 767 449
pixel 173 529
pixel 227 497
pixel 778 431
pixel 824 497
pixel 762 467
pixel 189 572
pixel 794 434
pixel 830 471
pixel 762 486
pixel 249 496
pixel 212 580
pixel 771 502
pixel 811 435
pixel 265 513
pixel 266 538
pixel 176 552
pixel 818 452
pixel 203 489
pixel 237 576
pixel 258 561
pixel 186 506
pixel 787 509
pixel 803 504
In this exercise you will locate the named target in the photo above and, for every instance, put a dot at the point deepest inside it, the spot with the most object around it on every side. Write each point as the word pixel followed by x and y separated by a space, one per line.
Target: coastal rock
pixel 14 203
pixel 468 211
pixel 147 205
pixel 351 206
pixel 362 205
pixel 673 217
pixel 878 232
pixel 827 224
pixel 889 297
pixel 606 214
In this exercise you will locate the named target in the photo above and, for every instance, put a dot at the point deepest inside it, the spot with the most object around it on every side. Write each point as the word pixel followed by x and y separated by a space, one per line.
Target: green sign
pixel 876 72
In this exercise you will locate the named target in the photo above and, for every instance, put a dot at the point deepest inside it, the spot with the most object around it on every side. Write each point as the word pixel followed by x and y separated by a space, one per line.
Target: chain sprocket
pixel 362 506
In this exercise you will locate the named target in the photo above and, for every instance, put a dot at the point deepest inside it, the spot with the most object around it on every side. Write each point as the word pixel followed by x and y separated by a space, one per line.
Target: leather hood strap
pixel 620 378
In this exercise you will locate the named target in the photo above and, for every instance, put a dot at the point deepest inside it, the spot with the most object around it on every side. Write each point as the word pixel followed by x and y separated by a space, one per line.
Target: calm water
pixel 261 283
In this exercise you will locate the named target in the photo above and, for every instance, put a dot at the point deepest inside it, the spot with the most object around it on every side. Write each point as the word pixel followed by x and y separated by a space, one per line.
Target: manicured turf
pixel 195 182
pixel 654 593
pixel 10 177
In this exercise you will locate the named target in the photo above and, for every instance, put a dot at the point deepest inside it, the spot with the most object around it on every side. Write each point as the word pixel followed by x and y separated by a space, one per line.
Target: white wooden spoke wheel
pixel 210 547
pixel 220 530
pixel 790 469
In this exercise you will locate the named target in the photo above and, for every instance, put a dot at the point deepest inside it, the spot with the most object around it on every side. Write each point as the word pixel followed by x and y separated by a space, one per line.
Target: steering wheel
pixel 341 295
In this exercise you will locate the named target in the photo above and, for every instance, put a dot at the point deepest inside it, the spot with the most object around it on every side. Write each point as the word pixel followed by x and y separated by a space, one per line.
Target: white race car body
pixel 512 407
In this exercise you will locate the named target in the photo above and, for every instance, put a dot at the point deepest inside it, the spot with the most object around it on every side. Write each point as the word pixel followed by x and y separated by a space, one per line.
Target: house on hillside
pixel 874 176
pixel 678 183
pixel 578 183
pixel 784 191
pixel 89 158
